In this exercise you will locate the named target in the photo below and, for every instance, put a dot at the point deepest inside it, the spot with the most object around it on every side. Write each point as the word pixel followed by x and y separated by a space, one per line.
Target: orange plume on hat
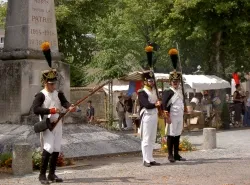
pixel 45 46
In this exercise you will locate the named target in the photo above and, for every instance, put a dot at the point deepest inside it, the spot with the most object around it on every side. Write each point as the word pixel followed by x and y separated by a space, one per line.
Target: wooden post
pixel 105 106
pixel 111 104
pixel 109 107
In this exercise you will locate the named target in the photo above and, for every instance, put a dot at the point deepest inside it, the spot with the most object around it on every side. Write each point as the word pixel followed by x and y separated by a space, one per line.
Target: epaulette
pixel 140 90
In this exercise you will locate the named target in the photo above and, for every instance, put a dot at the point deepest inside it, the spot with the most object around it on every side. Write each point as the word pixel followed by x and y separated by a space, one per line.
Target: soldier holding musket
pixel 47 104
pixel 173 105
pixel 149 101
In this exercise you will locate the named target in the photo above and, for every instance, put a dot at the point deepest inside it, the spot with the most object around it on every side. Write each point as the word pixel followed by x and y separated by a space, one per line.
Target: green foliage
pixel 5 159
pixel 185 145
pixel 111 35
pixel 121 37
pixel 78 76
pixel 37 159
pixel 3 11
pixel 209 32
pixel 75 24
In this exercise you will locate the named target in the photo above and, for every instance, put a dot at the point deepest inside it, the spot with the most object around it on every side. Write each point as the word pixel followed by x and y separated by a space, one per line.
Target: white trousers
pixel 129 121
pixel 148 133
pixel 52 140
pixel 176 126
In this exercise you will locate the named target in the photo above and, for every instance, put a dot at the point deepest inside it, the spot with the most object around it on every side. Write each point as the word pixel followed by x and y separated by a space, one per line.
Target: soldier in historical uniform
pixel 149 118
pixel 47 104
pixel 173 104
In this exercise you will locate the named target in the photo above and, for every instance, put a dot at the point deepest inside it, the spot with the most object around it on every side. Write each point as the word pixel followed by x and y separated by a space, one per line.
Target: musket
pixel 79 102
pixel 149 51
pixel 182 81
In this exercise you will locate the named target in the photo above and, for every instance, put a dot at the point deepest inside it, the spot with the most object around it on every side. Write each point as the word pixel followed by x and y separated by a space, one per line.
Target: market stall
pixel 192 84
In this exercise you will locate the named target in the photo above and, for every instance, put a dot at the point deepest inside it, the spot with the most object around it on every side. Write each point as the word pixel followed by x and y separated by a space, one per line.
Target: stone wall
pixel 98 100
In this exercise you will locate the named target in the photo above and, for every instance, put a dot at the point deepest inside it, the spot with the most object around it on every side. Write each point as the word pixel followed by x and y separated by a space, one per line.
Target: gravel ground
pixel 226 165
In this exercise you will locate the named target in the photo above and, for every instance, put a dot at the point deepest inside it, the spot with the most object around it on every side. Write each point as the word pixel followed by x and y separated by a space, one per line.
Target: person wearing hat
pixel 149 118
pixel 173 105
pixel 48 104
pixel 120 109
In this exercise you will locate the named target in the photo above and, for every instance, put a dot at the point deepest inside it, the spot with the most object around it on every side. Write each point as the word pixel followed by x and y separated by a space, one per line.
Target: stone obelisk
pixel 28 24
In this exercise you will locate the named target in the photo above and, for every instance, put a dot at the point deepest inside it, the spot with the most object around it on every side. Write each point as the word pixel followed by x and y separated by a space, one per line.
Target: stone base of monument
pixel 79 140
pixel 22 159
pixel 20 81
pixel 209 138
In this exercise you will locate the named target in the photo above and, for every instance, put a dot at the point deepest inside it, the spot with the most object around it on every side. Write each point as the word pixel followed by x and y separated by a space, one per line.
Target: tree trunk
pixel 214 63
pixel 217 53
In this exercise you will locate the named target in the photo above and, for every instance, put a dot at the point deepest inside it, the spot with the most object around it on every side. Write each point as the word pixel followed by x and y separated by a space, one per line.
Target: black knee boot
pixel 52 168
pixel 176 147
pixel 177 157
pixel 44 165
pixel 170 143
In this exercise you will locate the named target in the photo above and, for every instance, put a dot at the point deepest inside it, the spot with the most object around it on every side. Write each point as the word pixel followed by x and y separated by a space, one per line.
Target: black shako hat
pixel 48 76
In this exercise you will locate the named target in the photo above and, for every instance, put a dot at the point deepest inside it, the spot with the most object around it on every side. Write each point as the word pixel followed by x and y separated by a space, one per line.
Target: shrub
pixel 37 159
pixel 185 145
pixel 5 159
pixel 60 160
pixel 8 163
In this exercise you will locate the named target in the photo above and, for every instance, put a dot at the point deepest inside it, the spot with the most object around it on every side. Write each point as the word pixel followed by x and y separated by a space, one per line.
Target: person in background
pixel 195 101
pixel 238 100
pixel 120 109
pixel 206 103
pixel 90 113
pixel 246 120
pixel 128 103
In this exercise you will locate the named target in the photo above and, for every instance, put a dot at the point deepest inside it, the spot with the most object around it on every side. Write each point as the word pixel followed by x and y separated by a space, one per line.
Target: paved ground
pixel 229 164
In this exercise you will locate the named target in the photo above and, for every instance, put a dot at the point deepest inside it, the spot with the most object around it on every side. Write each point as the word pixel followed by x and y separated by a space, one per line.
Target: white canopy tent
pixel 161 77
pixel 206 82
pixel 116 88
pixel 191 82
pixel 137 76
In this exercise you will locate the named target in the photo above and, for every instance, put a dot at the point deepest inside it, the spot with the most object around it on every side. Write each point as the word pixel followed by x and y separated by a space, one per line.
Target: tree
pixel 3 11
pixel 122 36
pixel 75 23
pixel 210 31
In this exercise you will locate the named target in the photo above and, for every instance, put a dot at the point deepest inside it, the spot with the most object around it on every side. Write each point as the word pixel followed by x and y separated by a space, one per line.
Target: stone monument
pixel 22 159
pixel 28 24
